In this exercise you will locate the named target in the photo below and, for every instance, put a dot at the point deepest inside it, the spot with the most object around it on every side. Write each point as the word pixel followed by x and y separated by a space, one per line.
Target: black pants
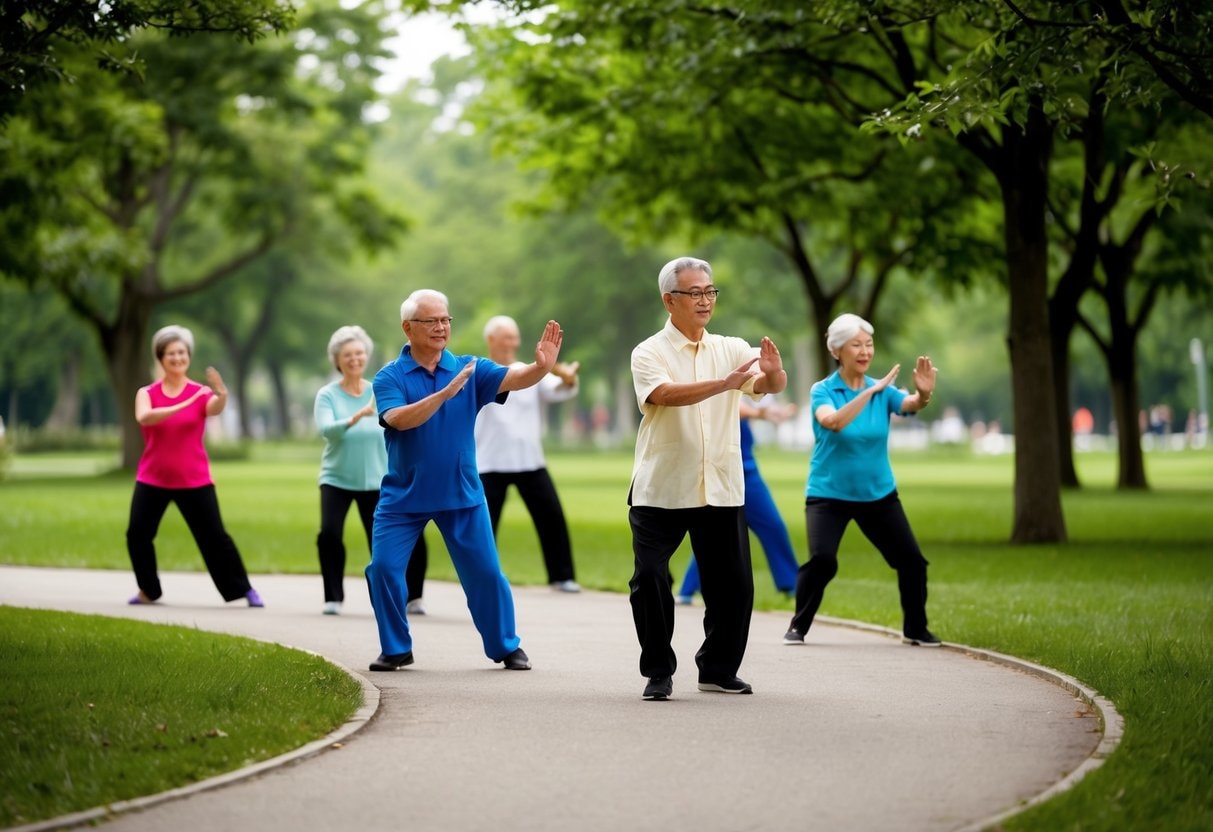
pixel 334 506
pixel 200 508
pixel 539 495
pixel 722 548
pixel 884 523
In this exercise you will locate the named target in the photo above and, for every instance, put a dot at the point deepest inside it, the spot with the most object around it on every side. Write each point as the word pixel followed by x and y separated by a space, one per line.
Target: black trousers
pixel 200 508
pixel 722 548
pixel 884 523
pixel 539 495
pixel 334 506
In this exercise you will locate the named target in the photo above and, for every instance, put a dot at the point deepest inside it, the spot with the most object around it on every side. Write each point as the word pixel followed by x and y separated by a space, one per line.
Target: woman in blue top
pixel 850 477
pixel 353 465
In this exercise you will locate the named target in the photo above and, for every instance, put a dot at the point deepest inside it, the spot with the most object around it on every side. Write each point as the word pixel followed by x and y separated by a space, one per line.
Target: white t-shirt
pixel 508 436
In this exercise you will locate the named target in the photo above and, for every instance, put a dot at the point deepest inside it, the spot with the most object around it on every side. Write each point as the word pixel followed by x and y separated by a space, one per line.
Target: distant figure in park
pixel 850 477
pixel 688 478
pixel 1082 425
pixel 429 421
pixel 509 451
pixel 352 465
pixel 174 468
pixel 761 514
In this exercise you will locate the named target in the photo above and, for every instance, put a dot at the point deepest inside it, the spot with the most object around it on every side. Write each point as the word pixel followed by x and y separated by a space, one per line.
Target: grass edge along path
pixel 95 710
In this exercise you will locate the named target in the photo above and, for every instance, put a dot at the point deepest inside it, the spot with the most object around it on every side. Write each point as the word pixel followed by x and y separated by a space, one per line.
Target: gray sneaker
pixel 659 689
pixel 793 636
pixel 733 685
pixel 924 639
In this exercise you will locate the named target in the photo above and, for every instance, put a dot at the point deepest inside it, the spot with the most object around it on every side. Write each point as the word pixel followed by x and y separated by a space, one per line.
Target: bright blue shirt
pixel 853 463
pixel 432 467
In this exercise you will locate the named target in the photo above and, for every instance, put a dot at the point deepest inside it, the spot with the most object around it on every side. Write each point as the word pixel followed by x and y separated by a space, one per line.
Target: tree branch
pixel 1104 347
pixel 217 274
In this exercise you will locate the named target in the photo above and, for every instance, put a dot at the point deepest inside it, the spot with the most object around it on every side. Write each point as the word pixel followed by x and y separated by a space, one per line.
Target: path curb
pixel 359 720
pixel 1112 724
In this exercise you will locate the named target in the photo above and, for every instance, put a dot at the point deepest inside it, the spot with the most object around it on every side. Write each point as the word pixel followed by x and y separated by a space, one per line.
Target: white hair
pixel 499 322
pixel 667 279
pixel 167 335
pixel 843 329
pixel 409 308
pixel 345 335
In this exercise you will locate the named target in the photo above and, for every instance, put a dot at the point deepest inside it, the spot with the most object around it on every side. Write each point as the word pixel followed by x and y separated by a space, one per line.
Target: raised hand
pixel 889 378
pixel 548 348
pixel 769 360
pixel 567 373
pixel 461 378
pixel 924 375
pixel 215 380
pixel 735 379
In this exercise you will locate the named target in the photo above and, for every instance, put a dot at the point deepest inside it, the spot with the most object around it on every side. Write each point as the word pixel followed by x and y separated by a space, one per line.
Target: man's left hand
pixel 548 348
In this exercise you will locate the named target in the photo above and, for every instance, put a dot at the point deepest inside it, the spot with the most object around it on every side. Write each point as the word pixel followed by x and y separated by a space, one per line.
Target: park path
pixel 853 731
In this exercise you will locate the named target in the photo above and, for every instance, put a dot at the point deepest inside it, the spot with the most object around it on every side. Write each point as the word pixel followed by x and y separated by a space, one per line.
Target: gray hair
pixel 667 280
pixel 409 308
pixel 345 335
pixel 169 334
pixel 497 322
pixel 843 329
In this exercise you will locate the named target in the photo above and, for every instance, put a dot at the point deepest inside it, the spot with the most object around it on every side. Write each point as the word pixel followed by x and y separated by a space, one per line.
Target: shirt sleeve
pixel 895 399
pixel 648 373
pixel 329 425
pixel 487 377
pixel 552 389
pixel 818 395
pixel 389 393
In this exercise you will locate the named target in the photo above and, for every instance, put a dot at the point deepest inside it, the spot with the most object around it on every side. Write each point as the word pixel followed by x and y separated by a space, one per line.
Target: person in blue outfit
pixel 761 514
pixel 428 399
pixel 850 477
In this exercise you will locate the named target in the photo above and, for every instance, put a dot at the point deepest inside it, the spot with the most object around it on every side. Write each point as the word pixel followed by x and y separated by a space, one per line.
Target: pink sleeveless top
pixel 173 453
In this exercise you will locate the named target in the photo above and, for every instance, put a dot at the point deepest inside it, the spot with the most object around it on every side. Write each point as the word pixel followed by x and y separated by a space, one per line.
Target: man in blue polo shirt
pixel 429 420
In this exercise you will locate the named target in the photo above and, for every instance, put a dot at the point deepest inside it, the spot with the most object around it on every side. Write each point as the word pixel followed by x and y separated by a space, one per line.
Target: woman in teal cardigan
pixel 352 465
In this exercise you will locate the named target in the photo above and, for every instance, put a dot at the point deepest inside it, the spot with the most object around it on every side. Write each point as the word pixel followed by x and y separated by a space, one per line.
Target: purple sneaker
pixel 254 600
pixel 140 598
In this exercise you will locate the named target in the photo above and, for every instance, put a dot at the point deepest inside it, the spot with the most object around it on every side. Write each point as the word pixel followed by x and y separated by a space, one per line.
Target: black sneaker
pixel 733 685
pixel 392 662
pixel 924 639
pixel 659 689
pixel 517 660
pixel 793 636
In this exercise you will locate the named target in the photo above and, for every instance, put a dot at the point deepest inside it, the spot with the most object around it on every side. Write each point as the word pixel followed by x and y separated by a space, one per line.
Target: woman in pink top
pixel 174 469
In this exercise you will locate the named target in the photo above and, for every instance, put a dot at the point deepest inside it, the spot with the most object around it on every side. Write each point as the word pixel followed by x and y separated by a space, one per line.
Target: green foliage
pixel 96 710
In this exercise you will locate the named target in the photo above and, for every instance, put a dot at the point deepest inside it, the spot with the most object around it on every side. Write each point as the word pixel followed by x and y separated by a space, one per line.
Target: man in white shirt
pixel 509 451
pixel 687 478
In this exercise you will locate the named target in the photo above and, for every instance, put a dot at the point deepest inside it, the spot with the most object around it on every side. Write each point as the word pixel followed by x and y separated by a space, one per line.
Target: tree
pixel 190 175
pixel 32 33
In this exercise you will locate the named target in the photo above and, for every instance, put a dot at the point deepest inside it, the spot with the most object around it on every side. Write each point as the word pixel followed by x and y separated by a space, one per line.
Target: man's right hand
pixel 738 377
pixel 456 384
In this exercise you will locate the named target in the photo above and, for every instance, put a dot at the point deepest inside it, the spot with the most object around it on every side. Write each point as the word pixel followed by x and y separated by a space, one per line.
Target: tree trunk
pixel 282 404
pixel 821 315
pixel 1059 340
pixel 14 412
pixel 1126 404
pixel 125 345
pixel 1023 180
pixel 65 413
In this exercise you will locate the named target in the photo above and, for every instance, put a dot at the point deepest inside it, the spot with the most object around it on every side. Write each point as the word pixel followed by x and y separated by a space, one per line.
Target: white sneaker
pixel 415 607
pixel 332 608
pixel 684 600
pixel 566 586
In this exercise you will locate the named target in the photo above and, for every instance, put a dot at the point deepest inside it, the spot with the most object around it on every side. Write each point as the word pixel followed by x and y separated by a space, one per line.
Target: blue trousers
pixel 763 518
pixel 468 535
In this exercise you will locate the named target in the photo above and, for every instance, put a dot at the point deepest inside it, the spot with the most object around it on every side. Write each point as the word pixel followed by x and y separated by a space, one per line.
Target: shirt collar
pixel 677 340
pixel 408 364
pixel 834 382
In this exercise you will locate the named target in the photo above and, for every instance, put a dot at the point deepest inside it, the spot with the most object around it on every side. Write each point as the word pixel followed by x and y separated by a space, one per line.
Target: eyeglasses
pixel 698 294
pixel 430 323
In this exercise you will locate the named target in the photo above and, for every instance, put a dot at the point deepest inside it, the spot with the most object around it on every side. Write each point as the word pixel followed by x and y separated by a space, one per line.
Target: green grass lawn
pixel 1126 605
pixel 95 710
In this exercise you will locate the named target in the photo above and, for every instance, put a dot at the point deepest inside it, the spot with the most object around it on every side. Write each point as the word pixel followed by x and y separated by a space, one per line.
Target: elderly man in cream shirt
pixel 687 478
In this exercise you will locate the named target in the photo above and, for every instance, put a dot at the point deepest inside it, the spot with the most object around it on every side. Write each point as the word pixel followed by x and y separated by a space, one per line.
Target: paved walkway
pixel 853 731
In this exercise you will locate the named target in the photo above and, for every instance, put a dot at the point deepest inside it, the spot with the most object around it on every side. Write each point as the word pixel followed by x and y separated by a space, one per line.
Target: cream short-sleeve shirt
pixel 690 456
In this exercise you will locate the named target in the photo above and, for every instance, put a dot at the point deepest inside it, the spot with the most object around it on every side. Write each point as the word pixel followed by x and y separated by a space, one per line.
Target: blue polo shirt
pixel 432 467
pixel 853 463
